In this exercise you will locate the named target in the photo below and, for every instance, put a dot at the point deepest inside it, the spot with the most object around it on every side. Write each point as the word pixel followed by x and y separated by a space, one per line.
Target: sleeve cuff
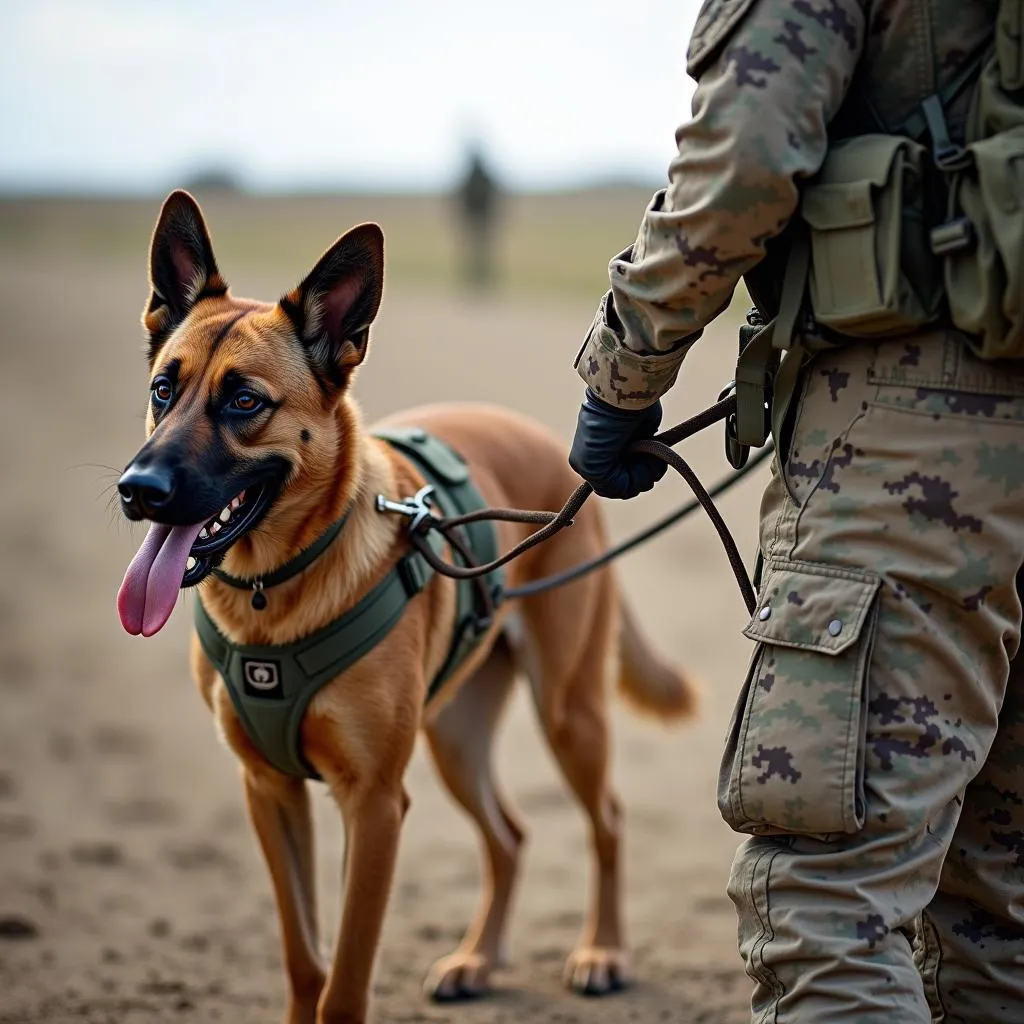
pixel 619 376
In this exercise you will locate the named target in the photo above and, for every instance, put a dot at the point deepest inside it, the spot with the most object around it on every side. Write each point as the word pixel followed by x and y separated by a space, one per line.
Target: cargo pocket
pixel 794 761
pixel 867 234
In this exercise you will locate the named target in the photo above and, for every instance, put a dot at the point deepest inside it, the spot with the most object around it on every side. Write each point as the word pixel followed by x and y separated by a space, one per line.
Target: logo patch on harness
pixel 262 678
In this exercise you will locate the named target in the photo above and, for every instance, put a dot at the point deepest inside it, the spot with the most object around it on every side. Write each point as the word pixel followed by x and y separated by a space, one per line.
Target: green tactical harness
pixel 271 685
pixel 893 236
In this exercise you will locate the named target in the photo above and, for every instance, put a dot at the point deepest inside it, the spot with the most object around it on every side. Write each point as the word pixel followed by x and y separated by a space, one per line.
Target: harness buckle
pixel 751 424
pixel 417 508
pixel 953 236
pixel 736 454
pixel 413 573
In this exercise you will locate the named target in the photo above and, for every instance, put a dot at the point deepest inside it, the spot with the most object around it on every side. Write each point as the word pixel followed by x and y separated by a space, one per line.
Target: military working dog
pixel 254 448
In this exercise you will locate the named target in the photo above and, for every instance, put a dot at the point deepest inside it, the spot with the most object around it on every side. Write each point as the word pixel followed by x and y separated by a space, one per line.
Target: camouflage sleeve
pixel 771 74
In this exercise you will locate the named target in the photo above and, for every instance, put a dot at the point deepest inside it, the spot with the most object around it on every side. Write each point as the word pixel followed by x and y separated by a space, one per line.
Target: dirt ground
pixel 130 886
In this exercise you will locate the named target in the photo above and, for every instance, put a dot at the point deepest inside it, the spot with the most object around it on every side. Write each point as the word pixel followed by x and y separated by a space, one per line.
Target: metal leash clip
pixel 417 508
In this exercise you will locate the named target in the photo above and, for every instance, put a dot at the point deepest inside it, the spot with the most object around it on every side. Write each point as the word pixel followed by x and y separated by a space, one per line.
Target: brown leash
pixel 660 446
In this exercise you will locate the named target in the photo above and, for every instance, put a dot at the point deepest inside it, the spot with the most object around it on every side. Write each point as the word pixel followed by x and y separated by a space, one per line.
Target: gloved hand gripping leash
pixel 423 518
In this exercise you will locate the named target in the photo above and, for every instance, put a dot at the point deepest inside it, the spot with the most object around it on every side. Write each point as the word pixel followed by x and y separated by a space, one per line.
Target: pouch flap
pixel 1000 164
pixel 834 207
pixel 866 158
pixel 814 607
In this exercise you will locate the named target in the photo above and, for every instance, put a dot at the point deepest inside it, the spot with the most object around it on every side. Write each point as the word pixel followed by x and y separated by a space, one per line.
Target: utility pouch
pixel 867 229
pixel 982 242
pixel 794 758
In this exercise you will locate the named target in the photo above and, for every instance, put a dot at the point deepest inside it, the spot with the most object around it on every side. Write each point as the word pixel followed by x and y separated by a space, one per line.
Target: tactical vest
pixel 900 230
pixel 901 233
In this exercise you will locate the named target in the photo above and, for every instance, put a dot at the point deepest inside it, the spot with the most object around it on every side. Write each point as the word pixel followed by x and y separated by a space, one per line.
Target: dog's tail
pixel 648 683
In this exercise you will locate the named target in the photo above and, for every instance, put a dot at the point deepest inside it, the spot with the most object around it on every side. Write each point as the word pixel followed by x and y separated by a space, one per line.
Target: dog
pixel 254 447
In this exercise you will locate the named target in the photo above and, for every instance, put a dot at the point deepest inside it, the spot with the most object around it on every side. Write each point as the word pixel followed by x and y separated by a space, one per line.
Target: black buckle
pixel 951 157
pixel 736 454
pixel 753 390
pixel 413 572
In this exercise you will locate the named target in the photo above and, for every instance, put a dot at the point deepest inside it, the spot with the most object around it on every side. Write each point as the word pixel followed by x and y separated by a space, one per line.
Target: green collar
pixel 291 568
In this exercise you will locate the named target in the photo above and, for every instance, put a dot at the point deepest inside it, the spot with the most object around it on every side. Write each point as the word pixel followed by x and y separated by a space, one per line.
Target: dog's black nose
pixel 145 489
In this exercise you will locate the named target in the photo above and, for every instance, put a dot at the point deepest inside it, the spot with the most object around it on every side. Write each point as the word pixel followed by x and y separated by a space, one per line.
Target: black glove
pixel 599 450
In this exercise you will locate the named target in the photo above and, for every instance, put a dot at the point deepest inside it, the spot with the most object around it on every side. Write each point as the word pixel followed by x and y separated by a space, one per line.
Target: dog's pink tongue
pixel 151 584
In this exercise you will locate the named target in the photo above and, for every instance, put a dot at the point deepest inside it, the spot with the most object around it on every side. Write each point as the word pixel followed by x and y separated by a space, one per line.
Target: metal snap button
pixel 835 627
pixel 765 613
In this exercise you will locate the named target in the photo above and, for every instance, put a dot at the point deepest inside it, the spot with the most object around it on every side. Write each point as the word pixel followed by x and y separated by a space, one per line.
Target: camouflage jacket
pixel 771 75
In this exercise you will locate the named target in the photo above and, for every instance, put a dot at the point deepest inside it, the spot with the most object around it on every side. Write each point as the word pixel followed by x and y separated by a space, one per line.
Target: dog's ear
pixel 181 267
pixel 332 309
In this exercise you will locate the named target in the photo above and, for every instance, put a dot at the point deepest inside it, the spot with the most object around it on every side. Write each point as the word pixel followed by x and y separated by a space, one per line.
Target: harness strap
pixel 473 542
pixel 268 684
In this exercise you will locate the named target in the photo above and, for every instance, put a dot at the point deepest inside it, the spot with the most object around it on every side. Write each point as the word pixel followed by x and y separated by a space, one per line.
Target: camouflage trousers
pixel 876 756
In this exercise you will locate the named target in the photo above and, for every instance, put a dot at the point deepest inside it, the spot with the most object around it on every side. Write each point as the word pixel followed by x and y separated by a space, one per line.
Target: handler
pixel 876 756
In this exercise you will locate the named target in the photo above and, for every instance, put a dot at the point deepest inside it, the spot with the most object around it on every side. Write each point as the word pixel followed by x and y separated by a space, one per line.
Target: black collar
pixel 291 568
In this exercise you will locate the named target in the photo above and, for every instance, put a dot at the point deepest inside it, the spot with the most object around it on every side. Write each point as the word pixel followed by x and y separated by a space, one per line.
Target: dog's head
pixel 244 399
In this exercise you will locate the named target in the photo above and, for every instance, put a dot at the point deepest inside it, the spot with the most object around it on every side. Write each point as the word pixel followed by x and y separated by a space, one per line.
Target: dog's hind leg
pixel 460 740
pixel 280 813
pixel 570 661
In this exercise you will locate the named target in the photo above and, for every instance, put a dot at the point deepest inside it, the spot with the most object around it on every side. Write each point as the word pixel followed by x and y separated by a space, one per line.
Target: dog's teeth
pixel 235 502
pixel 190 563
pixel 204 534
pixel 225 514
pixel 241 497
pixel 215 528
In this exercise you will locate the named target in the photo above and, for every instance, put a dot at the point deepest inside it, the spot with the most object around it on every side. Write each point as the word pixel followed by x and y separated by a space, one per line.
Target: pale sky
pixel 135 94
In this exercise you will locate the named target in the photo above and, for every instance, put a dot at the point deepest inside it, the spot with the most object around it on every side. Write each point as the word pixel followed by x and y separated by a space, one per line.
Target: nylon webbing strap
pixel 445 470
pixel 758 363
pixel 271 686
pixel 916 125
pixel 794 284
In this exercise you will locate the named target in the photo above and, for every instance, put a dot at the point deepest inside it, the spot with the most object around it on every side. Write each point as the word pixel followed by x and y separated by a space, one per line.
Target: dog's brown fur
pixel 360 730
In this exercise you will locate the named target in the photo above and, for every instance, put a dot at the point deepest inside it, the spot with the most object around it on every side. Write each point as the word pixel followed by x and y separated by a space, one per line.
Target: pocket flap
pixel 833 207
pixel 813 607
pixel 868 158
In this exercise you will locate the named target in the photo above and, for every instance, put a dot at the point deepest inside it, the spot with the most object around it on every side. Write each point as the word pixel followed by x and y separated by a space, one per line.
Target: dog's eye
pixel 246 401
pixel 162 391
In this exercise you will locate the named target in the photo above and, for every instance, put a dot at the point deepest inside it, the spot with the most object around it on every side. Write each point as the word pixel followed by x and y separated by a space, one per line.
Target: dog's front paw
pixel 596 971
pixel 458 976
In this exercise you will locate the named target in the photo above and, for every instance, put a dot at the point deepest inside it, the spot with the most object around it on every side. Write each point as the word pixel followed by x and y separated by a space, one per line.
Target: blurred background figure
pixel 477 198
